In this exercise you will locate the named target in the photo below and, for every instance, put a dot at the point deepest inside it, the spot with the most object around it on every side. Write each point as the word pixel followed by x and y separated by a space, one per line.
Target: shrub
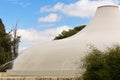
pixel 100 65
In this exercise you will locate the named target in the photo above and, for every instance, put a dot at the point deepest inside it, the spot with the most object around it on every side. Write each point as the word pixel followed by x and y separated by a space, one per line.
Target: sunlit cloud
pixel 81 8
pixel 30 37
pixel 50 18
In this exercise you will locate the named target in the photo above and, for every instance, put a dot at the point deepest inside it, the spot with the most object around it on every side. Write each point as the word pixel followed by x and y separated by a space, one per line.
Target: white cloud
pixel 81 8
pixel 20 3
pixel 57 7
pixel 30 37
pixel 50 18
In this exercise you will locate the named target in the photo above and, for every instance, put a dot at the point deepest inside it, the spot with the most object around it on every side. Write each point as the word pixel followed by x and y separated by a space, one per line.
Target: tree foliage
pixel 8 47
pixel 15 39
pixel 69 33
pixel 100 65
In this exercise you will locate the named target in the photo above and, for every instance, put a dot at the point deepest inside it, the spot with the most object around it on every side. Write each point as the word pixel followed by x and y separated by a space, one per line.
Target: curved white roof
pixel 63 55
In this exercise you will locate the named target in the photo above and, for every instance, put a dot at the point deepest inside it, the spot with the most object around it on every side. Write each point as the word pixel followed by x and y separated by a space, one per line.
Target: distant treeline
pixel 70 32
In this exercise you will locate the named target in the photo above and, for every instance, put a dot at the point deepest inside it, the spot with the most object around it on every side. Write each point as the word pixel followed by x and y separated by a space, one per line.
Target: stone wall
pixel 34 78
pixel 3 74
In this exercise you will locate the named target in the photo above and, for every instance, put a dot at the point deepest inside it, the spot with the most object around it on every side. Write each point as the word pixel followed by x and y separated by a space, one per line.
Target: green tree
pixel 69 33
pixel 5 45
pixel 8 47
pixel 100 65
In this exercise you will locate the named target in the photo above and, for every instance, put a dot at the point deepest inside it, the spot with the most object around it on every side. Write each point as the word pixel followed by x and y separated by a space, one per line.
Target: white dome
pixel 62 55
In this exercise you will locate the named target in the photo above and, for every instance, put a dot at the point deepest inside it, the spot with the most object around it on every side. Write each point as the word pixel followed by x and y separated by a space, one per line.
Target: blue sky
pixel 40 20
pixel 27 12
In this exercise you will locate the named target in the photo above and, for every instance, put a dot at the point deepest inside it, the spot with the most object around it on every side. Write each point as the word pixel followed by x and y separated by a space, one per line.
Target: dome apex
pixel 108 6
